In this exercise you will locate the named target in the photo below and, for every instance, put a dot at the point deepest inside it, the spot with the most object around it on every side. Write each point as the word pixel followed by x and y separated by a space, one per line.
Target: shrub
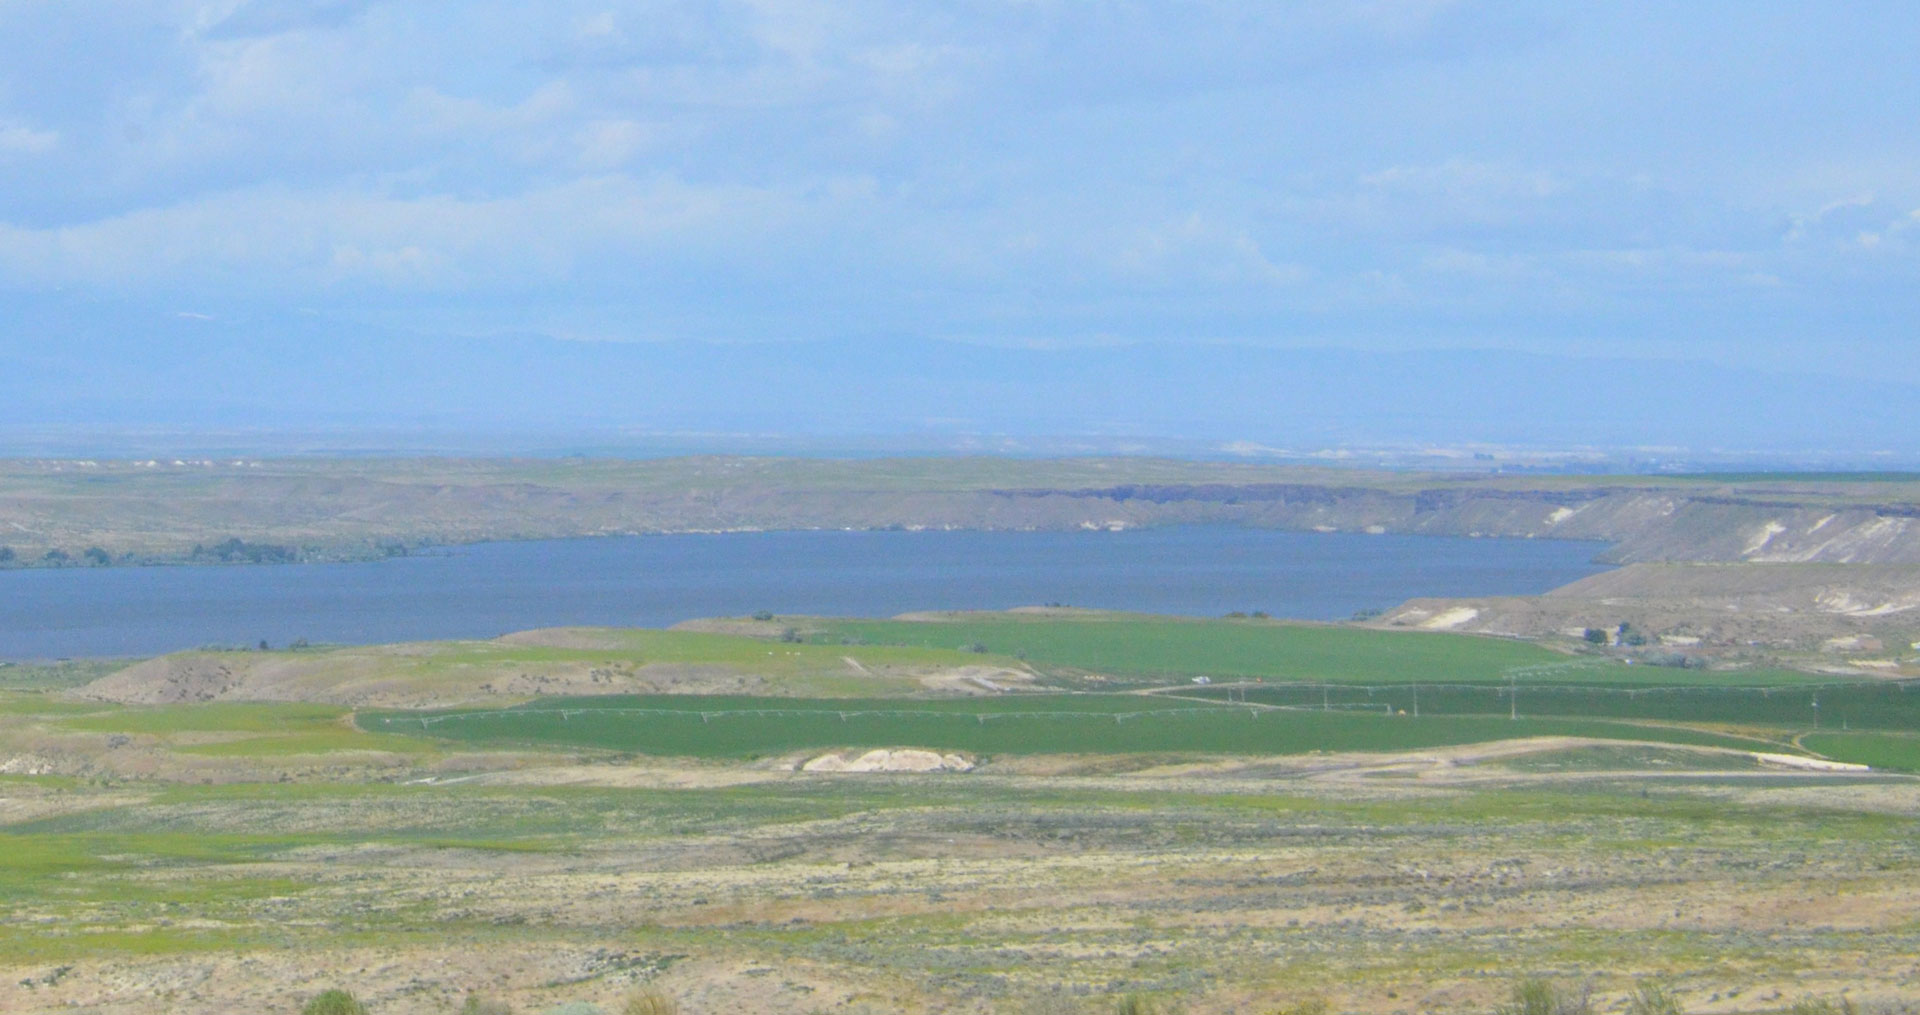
pixel 650 1001
pixel 763 615
pixel 334 1002
pixel 1314 1005
pixel 1823 1006
pixel 1594 636
pixel 1544 997
pixel 1652 999
pixel 236 550
pixel 973 646
pixel 1136 1004
pixel 1051 1003
pixel 480 1004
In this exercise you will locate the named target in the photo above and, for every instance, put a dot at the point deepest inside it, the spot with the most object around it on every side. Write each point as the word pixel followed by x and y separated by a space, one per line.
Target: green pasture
pixel 1136 645
pixel 232 729
pixel 733 727
pixel 1876 705
pixel 641 646
pixel 460 666
pixel 1894 751
pixel 55 676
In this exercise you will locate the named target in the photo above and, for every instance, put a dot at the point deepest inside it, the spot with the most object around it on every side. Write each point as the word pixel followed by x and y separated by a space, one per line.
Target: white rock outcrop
pixel 883 760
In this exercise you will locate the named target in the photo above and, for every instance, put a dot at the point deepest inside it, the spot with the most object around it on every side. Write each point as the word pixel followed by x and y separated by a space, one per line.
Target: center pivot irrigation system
pixel 1865 705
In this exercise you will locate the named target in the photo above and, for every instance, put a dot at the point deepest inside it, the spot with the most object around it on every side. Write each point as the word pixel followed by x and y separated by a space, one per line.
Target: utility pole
pixel 1416 701
pixel 1513 699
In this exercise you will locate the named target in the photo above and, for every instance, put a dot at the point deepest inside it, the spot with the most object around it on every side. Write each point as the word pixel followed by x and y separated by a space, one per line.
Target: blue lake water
pixel 654 581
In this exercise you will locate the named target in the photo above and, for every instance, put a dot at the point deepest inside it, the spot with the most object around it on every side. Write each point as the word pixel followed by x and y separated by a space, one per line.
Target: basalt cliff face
pixel 1642 524
pixel 274 511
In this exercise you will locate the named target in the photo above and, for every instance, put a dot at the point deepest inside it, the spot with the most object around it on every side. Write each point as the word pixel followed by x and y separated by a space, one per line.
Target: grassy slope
pixel 54 676
pixel 809 669
pixel 114 880
pixel 1379 669
pixel 456 670
pixel 221 729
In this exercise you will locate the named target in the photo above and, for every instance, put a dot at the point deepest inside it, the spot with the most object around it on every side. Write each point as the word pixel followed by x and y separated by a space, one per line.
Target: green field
pixel 737 727
pixel 54 676
pixel 1893 751
pixel 646 645
pixel 1877 705
pixel 1135 645
pixel 216 729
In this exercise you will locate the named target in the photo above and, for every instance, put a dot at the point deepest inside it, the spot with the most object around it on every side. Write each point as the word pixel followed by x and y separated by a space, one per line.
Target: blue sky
pixel 1732 183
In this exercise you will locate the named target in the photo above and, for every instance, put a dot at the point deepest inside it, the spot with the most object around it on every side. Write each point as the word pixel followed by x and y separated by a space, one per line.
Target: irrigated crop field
pixel 1136 646
pixel 1030 724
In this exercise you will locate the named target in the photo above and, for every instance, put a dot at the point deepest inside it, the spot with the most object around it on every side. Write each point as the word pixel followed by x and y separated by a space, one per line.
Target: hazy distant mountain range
pixel 91 365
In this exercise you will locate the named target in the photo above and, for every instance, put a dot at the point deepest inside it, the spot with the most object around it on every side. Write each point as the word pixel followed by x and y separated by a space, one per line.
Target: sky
pixel 1716 188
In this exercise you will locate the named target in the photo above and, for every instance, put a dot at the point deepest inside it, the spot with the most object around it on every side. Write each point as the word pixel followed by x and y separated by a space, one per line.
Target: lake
pixel 489 589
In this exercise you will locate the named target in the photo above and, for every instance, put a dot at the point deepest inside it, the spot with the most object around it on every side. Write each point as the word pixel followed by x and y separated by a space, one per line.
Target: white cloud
pixel 283 239
pixel 273 17
pixel 609 144
pixel 1196 248
pixel 1861 223
pixel 18 140
pixel 1031 161
pixel 1465 180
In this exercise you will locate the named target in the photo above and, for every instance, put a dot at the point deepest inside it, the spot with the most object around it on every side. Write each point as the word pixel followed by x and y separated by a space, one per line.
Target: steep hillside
pixel 1866 616
pixel 563 661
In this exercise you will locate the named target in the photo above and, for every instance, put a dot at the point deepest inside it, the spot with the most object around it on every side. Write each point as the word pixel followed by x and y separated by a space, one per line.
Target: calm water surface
pixel 654 581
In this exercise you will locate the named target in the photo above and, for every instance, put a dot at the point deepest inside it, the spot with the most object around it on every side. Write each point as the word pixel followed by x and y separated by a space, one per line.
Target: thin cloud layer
pixel 1716 181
